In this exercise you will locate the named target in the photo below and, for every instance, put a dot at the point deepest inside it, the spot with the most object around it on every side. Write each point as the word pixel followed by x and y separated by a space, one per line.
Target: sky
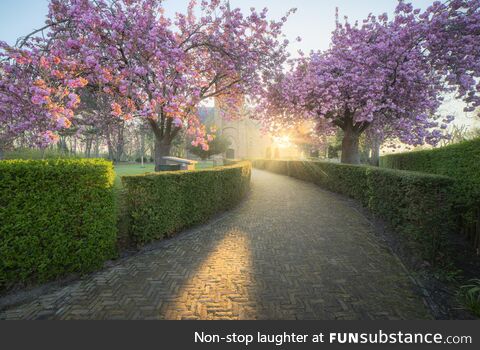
pixel 313 22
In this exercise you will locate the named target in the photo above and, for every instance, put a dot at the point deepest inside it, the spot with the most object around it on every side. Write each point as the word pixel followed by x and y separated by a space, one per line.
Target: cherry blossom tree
pixel 385 76
pixel 159 70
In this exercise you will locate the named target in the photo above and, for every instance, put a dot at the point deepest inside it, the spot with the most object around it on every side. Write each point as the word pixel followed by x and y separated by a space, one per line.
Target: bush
pixel 56 217
pixel 160 204
pixel 349 180
pixel 460 162
pixel 414 204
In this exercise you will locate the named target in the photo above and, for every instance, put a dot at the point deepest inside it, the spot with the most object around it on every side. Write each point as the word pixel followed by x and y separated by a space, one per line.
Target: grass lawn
pixel 127 169
pixel 130 169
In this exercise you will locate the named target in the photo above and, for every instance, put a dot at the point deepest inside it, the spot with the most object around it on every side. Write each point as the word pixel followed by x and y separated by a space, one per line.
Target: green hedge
pixel 414 204
pixel 460 162
pixel 56 217
pixel 349 180
pixel 160 204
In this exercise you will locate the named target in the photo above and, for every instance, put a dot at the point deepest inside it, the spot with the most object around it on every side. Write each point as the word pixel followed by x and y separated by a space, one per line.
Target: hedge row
pixel 56 217
pixel 460 162
pixel 160 204
pixel 414 204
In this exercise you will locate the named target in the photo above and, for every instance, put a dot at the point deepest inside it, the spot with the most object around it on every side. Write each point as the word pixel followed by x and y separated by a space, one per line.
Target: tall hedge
pixel 460 162
pixel 56 217
pixel 160 204
pixel 414 204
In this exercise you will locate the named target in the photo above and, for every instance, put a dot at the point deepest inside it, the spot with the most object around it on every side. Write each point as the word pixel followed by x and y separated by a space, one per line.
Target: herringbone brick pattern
pixel 290 251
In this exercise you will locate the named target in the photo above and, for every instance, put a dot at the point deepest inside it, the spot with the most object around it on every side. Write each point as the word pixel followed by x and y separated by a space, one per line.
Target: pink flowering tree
pixel 387 77
pixel 157 70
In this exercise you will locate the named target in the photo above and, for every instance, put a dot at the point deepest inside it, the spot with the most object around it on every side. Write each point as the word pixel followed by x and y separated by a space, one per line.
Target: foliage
pixel 460 162
pixel 56 217
pixel 161 204
pixel 470 295
pixel 416 205
pixel 218 145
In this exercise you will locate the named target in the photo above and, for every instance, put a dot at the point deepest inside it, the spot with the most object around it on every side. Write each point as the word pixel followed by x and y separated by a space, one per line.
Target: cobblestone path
pixel 289 251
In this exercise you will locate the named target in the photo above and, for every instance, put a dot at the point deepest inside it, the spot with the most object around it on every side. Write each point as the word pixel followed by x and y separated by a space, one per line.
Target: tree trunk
pixel 120 150
pixel 75 145
pixel 375 156
pixel 110 149
pixel 2 154
pixel 88 147
pixel 97 146
pixel 162 149
pixel 120 143
pixel 142 147
pixel 350 151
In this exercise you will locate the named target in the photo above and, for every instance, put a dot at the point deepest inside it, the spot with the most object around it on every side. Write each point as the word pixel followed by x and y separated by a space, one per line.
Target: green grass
pixel 128 169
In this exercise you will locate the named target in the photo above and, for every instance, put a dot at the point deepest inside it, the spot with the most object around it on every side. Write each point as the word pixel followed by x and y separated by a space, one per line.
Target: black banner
pixel 240 334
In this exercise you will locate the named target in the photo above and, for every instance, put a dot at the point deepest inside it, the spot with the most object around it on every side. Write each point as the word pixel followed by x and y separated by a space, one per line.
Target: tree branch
pixel 23 40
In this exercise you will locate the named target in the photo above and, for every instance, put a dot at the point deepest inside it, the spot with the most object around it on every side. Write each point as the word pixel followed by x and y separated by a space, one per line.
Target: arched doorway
pixel 230 134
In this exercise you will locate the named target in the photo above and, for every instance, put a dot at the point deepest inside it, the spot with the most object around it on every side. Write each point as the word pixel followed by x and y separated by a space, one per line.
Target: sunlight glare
pixel 282 141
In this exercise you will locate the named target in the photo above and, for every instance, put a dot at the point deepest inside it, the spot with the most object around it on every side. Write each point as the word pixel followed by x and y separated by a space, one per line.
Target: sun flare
pixel 283 141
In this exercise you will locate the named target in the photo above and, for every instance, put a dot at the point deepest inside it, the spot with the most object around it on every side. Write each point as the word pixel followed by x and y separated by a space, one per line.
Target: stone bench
pixel 184 164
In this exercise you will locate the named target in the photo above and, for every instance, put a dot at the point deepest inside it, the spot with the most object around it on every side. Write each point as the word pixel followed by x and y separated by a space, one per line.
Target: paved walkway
pixel 290 251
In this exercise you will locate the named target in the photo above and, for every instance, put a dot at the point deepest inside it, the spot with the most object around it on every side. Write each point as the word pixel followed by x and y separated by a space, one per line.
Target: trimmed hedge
pixel 414 204
pixel 350 180
pixel 56 217
pixel 160 204
pixel 460 162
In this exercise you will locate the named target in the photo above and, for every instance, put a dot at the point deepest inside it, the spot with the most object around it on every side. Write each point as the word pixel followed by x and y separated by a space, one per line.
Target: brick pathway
pixel 290 251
